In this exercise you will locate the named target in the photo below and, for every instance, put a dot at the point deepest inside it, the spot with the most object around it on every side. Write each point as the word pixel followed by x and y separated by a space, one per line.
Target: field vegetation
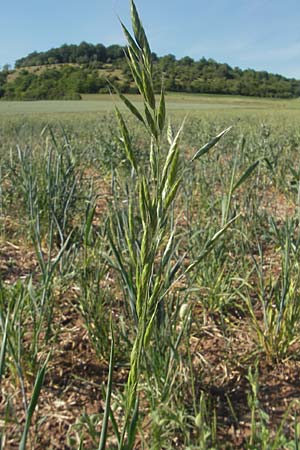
pixel 149 273
pixel 178 105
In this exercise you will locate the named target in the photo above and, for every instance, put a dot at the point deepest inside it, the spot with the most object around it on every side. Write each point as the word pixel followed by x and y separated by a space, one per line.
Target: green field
pixel 176 102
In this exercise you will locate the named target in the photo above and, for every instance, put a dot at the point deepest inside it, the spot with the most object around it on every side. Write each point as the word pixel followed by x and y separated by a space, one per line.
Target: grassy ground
pixel 175 102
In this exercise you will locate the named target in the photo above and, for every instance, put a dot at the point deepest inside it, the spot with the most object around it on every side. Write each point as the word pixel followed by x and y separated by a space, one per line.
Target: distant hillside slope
pixel 71 70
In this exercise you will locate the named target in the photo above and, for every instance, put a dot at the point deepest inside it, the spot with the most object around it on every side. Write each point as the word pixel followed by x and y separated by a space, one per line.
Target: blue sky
pixel 260 34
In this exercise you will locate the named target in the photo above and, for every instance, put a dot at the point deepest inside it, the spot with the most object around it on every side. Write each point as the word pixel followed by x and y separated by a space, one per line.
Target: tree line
pixel 83 53
pixel 84 68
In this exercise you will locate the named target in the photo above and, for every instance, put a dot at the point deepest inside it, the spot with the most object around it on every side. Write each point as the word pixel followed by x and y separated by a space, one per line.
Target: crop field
pixel 150 272
pixel 220 368
pixel 176 103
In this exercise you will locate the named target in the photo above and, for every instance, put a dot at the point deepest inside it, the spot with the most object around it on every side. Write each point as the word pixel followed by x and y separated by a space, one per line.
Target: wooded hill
pixel 71 70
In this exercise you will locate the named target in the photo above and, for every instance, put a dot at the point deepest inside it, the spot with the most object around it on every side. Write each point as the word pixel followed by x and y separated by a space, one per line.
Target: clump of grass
pixel 260 434
pixel 279 296
pixel 15 359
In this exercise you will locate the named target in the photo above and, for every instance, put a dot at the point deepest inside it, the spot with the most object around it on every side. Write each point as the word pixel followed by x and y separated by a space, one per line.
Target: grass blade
pixel 3 346
pixel 209 145
pixel 103 436
pixel 246 175
pixel 33 402
pixel 210 244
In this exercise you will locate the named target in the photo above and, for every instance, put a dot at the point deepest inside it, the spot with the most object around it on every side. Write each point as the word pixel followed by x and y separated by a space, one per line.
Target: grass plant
pixel 142 235
pixel 147 260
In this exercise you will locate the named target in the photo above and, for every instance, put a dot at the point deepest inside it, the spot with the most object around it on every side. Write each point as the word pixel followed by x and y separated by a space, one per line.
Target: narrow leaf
pixel 135 70
pixel 88 224
pixel 33 402
pixel 128 104
pixel 209 145
pixel 130 40
pixel 126 140
pixel 133 426
pixel 3 346
pixel 132 108
pixel 210 245
pixel 172 193
pixel 246 175
pixel 107 410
